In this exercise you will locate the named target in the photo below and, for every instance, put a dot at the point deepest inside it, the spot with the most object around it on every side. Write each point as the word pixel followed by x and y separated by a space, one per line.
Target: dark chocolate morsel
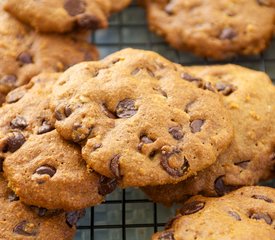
pixel 192 207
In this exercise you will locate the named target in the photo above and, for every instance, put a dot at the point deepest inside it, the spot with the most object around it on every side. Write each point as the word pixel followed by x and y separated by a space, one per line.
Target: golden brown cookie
pixel 215 29
pixel 25 53
pixel 42 168
pixel 248 213
pixel 138 120
pixel 21 222
pixel 249 96
pixel 64 15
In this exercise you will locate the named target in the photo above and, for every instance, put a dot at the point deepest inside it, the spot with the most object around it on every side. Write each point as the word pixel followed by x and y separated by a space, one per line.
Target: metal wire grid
pixel 128 214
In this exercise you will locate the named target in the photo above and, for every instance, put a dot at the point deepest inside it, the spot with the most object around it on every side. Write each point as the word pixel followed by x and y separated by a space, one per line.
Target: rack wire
pixel 128 214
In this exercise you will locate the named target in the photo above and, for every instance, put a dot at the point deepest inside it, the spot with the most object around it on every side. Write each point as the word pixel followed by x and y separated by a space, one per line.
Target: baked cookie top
pixel 21 222
pixel 61 15
pixel 138 120
pixel 64 15
pixel 248 213
pixel 249 97
pixel 25 53
pixel 43 169
pixel 215 29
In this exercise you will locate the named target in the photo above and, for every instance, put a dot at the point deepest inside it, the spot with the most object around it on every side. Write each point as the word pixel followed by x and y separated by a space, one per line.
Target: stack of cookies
pixel 70 135
pixel 53 38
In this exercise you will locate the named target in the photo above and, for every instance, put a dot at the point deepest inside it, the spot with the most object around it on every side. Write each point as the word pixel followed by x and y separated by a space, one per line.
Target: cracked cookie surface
pixel 215 29
pixel 138 120
pixel 25 54
pixel 248 213
pixel 249 97
pixel 42 168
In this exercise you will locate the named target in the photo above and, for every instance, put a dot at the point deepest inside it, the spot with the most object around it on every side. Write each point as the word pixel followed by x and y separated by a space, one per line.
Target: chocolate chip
pixel 88 22
pixel 25 58
pixel 225 88
pixel 12 197
pixel 192 207
pixel 62 112
pixel 222 189
pixel 67 111
pixel 73 217
pixel 176 132
pixel 14 141
pixel 26 228
pixel 74 7
pixel 196 125
pixel 167 235
pixel 189 78
pixel 1 163
pixel 96 146
pixel 15 96
pixel 163 93
pixel 45 127
pixel 59 115
pixel 144 140
pixel 107 112
pixel 208 86
pixel 135 71
pixel 174 172
pixel 115 167
pixel 235 215
pixel 242 164
pixel 80 132
pixel 106 185
pixel 264 2
pixel 9 80
pixel 41 212
pixel 261 216
pixel 126 108
pixel 261 197
pixel 228 33
pixel 19 123
pixel 150 72
pixel 46 169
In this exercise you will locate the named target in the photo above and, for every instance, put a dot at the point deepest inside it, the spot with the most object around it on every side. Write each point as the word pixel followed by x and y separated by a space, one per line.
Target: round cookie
pixel 248 213
pixel 249 97
pixel 214 29
pixel 25 53
pixel 42 168
pixel 138 120
pixel 64 15
pixel 21 222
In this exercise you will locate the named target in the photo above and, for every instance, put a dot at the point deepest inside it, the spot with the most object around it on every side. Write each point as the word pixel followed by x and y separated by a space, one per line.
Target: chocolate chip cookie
pixel 138 120
pixel 248 213
pixel 25 53
pixel 21 222
pixel 215 29
pixel 249 97
pixel 42 168
pixel 64 15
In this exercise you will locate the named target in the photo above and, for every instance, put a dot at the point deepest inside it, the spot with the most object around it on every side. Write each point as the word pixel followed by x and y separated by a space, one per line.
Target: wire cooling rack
pixel 128 214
